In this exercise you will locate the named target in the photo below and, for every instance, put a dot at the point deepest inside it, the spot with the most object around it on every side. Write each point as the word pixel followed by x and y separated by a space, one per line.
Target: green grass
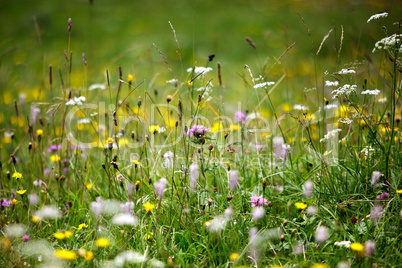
pixel 104 157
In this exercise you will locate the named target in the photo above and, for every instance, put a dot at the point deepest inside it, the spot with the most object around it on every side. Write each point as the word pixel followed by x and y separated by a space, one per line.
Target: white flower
pixel 201 71
pixel 129 257
pixel 172 81
pixel 193 175
pixel 76 101
pixel 265 84
pixel 160 186
pixel 300 107
pixel 15 230
pixel 343 243
pixel 330 106
pixel 378 16
pixel 258 213
pixel 312 210
pixel 168 159
pixel 330 135
pixel 308 188
pixel 321 235
pixel 127 207
pixel 48 212
pixel 371 92
pixel 331 84
pixel 344 90
pixel 33 199
pixel 156 263
pixel 124 219
pixel 368 151
pixel 347 71
pixel 96 86
pixel 228 213
pixel 161 130
pixel 233 179
pixel 84 121
pixel 374 177
pixel 345 121
pixel 388 42
pixel 37 182
pixel 217 224
pixel 382 100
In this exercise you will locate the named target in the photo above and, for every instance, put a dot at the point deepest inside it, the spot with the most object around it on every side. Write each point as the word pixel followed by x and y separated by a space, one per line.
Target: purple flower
pixel 25 238
pixel 258 201
pixel 198 131
pixel 5 203
pixel 240 117
pixel 33 117
pixel 382 196
pixel 54 147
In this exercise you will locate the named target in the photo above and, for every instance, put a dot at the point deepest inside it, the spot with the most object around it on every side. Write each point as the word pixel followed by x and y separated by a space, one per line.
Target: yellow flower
pixel 207 223
pixel 190 83
pixel 89 256
pixel 35 219
pixel 17 175
pixel 319 265
pixel 21 192
pixel 55 158
pixel 14 202
pixel 89 185
pixel 399 191
pixel 300 205
pixel 148 236
pixel 136 162
pixel 216 126
pixel 130 78
pixel 276 267
pixel 234 256
pixel 234 127
pixel 65 254
pixel 102 242
pixel 39 132
pixel 5 243
pixel 109 141
pixel 63 235
pixel 153 128
pixel 149 207
pixel 137 183
pixel 357 247
pixel 82 225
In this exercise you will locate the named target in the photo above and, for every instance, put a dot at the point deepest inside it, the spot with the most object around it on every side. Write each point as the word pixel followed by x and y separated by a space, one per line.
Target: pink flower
pixel 240 117
pixel 25 238
pixel 258 201
pixel 198 131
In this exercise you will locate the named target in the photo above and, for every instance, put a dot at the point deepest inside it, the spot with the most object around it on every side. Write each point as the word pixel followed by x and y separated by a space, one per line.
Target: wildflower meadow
pixel 200 134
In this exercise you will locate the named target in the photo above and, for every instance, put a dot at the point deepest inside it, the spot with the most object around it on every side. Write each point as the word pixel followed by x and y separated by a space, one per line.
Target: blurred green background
pixel 33 34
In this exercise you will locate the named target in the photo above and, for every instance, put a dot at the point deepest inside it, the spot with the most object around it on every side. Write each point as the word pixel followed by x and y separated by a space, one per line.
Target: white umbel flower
pixel 347 71
pixel 331 84
pixel 371 92
pixel 76 101
pixel 344 90
pixel 201 71
pixel 345 244
pixel 378 16
pixel 330 135
pixel 265 84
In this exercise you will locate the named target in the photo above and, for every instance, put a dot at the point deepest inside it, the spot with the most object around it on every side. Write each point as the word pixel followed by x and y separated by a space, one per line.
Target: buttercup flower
pixel 300 205
pixel 17 175
pixel 102 242
pixel 21 192
pixel 148 207
pixel 65 254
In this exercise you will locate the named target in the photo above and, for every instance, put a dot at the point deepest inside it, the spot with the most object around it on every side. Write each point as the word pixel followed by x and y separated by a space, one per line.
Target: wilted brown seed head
pixel 202 212
pixel 29 145
pixel 114 164
pixel 264 183
pixel 209 202
pixel 8 174
pixel 199 98
pixel 353 220
pixel 115 158
pixel 210 147
pixel 169 98
pixel 103 166
pixel 211 57
pixel 229 198
pixel 139 101
pixel 282 237
pixel 285 223
pixel 176 124
pixel 133 135
pixel 215 189
pixel 270 204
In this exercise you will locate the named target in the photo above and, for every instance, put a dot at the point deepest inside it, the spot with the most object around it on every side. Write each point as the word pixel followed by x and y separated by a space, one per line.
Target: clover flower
pixel 240 117
pixel 198 131
pixel 258 201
